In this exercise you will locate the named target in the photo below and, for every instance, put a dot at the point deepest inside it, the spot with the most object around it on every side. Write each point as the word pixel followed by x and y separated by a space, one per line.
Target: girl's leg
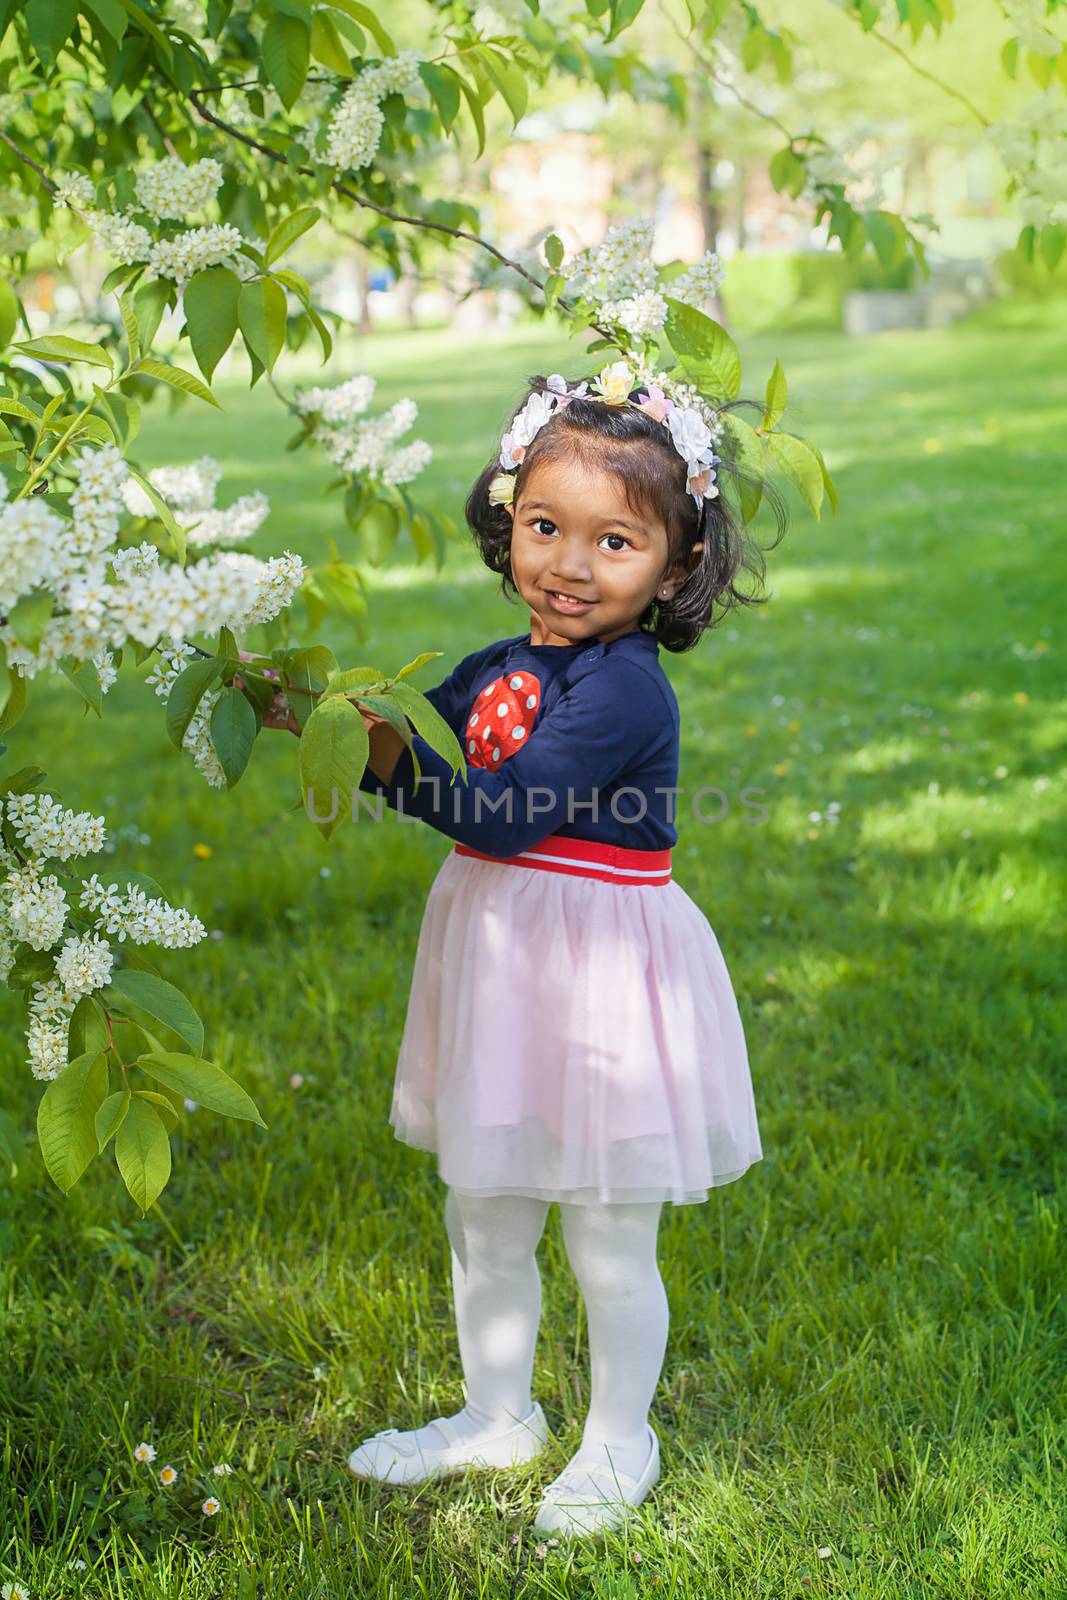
pixel 612 1251
pixel 496 1289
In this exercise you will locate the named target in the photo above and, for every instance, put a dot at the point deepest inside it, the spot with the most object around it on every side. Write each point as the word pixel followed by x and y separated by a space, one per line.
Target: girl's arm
pixel 611 721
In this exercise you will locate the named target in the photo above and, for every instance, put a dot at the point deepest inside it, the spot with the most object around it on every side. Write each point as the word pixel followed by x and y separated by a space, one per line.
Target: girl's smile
pixel 583 560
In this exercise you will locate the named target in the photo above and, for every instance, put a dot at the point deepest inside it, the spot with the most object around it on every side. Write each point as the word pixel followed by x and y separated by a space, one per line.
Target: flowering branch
pixel 353 194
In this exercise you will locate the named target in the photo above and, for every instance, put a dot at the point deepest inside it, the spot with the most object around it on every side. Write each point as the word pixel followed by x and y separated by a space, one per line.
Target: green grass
pixel 867 1331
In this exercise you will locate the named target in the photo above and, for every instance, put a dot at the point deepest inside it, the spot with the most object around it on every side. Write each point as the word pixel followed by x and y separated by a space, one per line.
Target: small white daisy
pixel 210 1506
pixel 145 1452
pixel 167 1476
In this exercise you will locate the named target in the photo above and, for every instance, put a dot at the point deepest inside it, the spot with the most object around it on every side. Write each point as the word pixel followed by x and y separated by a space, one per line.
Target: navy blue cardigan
pixel 565 728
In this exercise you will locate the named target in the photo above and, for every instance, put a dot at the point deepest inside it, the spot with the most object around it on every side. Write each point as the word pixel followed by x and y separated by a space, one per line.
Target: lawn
pixel 864 1388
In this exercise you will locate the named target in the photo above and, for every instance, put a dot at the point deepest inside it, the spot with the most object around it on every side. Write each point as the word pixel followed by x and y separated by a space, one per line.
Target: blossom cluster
pixel 190 492
pixel 1028 18
pixel 34 911
pixel 166 192
pixel 171 190
pixel 1034 150
pixel 365 446
pixel 106 596
pixel 621 280
pixel 354 130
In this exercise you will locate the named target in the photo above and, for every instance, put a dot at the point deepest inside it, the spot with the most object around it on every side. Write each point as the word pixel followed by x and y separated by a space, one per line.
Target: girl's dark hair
pixel 653 480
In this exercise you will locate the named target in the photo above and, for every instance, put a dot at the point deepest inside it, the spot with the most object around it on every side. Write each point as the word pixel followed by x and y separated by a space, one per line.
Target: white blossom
pixel 170 189
pixel 343 403
pixel 355 128
pixel 47 828
pixel 141 918
pixel 120 236
pixel 29 541
pixel 76 190
pixel 190 252
pixel 84 964
pixel 36 906
pixel 405 464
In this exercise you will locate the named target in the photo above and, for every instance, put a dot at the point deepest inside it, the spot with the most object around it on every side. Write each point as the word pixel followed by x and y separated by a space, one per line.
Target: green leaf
pixel 58 347
pixel 142 1151
pixel 787 172
pixel 110 14
pixel 623 12
pixel 123 413
pixel 129 322
pixel 428 722
pixel 508 78
pixel 233 732
pixel 9 313
pixel 166 1107
pixel 334 747
pixel 66 1118
pixel 15 704
pixel 327 45
pixel 554 250
pixel 186 693
pixel 49 24
pixel 165 514
pixel 1051 242
pixel 477 115
pixel 149 304
pixel 356 678
pixel 86 679
pixel 284 47
pixel 777 396
pixel 177 377
pixel 28 618
pixel 109 1117
pixel 210 303
pixel 801 466
pixel 87 1030
pixel 203 1082
pixel 261 314
pixel 307 674
pixel 886 233
pixel 444 87
pixel 378 529
pixel 419 661
pixel 827 482
pixel 704 348
pixel 288 231
pixel 159 999
pixel 748 460
pixel 363 14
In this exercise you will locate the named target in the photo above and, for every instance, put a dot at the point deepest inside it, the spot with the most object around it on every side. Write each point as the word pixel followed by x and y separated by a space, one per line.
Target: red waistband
pixel 586 858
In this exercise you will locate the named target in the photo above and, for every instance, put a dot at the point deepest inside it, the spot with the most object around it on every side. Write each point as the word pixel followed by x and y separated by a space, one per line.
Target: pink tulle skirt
pixel 572 1039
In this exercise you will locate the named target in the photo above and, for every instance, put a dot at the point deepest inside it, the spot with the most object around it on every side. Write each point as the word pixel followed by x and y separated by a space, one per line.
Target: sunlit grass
pixel 863 1392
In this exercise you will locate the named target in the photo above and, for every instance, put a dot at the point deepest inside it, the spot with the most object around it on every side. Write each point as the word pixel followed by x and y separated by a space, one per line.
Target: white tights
pixel 496 1288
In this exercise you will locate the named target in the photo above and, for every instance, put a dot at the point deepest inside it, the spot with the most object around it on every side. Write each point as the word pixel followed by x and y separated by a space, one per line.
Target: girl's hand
pixel 278 714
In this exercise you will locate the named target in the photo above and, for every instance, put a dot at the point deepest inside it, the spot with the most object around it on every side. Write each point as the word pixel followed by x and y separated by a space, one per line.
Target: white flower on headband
pixel 691 435
pixel 533 416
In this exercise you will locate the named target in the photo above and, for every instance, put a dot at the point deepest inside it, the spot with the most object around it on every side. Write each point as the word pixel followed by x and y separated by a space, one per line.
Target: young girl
pixel 571 1034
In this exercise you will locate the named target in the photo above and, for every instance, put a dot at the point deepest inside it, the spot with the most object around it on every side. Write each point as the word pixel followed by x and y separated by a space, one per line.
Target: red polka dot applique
pixel 501 718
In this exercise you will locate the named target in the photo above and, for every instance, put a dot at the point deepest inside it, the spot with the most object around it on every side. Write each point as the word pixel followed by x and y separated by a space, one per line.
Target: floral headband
pixel 692 431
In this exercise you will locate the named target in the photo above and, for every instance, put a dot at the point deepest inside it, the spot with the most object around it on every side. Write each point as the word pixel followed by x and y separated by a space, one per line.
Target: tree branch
pixel 939 83
pixel 29 162
pixel 351 194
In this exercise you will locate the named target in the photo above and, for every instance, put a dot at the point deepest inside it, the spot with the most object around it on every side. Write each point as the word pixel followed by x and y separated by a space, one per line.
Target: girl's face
pixel 573 533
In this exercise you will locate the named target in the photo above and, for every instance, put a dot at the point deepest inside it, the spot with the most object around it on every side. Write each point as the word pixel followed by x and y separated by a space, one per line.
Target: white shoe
pixel 589 1497
pixel 395 1457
